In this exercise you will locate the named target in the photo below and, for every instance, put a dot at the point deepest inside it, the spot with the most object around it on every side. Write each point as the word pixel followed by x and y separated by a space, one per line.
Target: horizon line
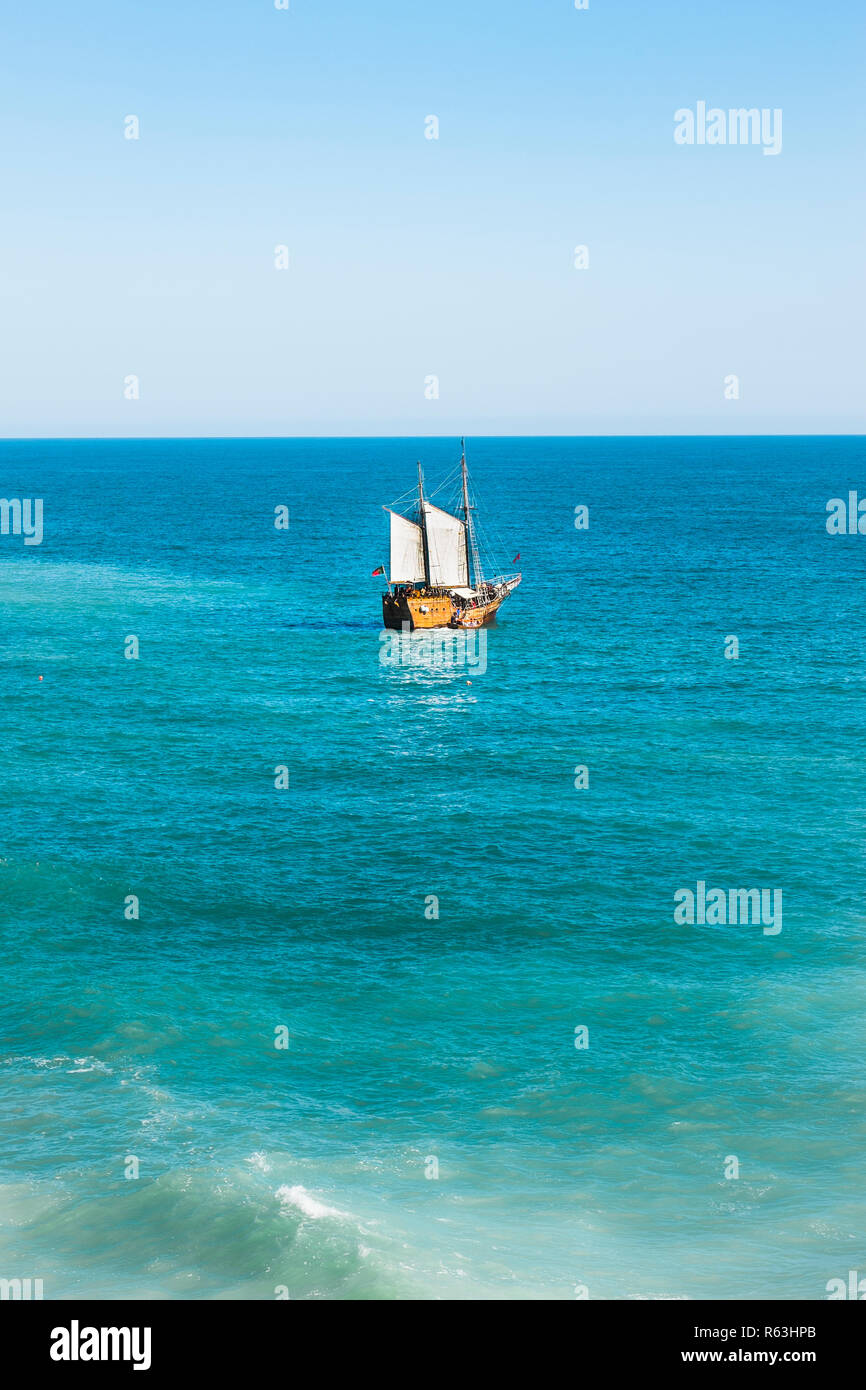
pixel 156 438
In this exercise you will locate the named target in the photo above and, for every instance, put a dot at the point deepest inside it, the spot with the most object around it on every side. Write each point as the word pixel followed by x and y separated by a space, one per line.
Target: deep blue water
pixel 412 1037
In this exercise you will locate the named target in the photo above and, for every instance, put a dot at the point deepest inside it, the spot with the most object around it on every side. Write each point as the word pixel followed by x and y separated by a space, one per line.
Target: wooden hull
pixel 418 610
pixel 485 613
pixel 480 616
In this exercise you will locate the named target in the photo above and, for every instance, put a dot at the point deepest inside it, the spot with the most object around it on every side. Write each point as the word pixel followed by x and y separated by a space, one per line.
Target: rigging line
pixel 496 564
pixel 406 496
pixel 445 482
pixel 496 541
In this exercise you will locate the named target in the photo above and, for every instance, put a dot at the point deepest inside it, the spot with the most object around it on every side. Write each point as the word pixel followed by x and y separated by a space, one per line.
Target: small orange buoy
pixel 40 677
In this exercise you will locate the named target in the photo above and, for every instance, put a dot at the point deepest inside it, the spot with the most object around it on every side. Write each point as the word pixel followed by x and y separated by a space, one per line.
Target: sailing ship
pixel 436 578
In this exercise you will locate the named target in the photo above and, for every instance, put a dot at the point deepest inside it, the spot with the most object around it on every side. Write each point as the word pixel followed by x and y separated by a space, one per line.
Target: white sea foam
pixel 81 1064
pixel 305 1202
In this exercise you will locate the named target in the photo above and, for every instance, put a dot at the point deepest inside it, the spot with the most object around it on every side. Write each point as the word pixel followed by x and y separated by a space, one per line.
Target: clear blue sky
pixel 412 257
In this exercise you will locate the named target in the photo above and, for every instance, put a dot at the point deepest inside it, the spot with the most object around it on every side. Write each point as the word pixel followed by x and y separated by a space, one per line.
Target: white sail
pixel 407 551
pixel 446 548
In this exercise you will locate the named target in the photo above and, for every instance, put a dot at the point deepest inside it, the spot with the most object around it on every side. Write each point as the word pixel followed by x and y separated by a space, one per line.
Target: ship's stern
pixel 417 610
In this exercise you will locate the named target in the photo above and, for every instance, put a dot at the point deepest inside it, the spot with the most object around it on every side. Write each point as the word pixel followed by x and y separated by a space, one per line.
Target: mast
pixel 423 520
pixel 473 559
pixel 466 509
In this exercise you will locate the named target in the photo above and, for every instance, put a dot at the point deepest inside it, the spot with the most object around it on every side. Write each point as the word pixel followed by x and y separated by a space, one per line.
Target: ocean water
pixel 415 1037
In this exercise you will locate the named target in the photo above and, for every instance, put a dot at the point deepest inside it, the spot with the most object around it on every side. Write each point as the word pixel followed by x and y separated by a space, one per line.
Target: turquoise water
pixel 413 1037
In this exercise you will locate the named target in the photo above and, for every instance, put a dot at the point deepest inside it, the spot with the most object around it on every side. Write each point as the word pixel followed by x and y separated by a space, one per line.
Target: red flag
pixel 516 558
pixel 380 570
